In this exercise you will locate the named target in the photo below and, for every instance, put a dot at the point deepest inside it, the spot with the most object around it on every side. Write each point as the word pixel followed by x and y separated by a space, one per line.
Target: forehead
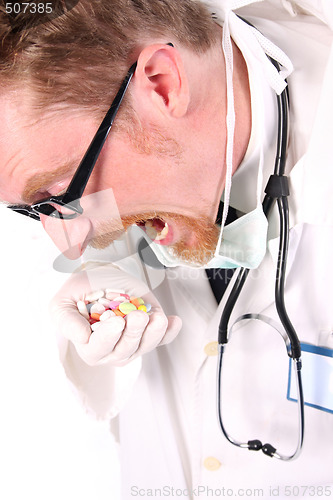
pixel 35 148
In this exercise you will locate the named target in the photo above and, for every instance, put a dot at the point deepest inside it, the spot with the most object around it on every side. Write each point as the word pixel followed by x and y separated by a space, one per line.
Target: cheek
pixel 119 168
pixel 11 188
pixel 101 206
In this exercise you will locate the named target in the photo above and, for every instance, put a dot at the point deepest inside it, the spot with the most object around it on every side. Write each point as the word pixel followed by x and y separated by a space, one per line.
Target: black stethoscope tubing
pixel 283 208
pixel 276 191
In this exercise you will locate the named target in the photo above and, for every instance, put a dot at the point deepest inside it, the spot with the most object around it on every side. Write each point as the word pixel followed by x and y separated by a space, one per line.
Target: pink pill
pixel 113 304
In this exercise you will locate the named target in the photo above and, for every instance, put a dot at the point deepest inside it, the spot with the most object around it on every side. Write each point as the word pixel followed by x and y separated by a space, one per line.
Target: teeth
pixel 163 233
pixel 153 234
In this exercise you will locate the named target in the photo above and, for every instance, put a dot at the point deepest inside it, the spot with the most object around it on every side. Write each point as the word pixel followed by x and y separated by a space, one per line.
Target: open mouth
pixel 158 230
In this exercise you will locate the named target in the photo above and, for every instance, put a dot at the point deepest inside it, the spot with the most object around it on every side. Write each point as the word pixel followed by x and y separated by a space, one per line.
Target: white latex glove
pixel 118 340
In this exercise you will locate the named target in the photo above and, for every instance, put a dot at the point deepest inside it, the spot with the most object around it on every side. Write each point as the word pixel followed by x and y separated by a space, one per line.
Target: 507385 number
pixel 28 8
pixel 312 491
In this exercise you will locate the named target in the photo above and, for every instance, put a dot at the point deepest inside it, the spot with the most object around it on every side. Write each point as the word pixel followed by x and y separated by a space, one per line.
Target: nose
pixel 70 236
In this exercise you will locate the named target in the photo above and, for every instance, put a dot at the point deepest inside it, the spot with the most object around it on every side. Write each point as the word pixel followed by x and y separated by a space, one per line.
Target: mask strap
pixel 230 119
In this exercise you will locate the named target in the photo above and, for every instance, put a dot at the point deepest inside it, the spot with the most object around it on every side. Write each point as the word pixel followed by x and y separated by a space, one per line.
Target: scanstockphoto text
pixel 204 491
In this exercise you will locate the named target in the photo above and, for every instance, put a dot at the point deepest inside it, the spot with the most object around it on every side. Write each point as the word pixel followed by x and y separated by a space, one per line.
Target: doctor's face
pixel 139 178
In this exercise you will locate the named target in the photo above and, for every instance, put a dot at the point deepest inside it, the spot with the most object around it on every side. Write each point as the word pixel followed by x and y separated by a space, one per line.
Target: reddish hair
pixel 81 57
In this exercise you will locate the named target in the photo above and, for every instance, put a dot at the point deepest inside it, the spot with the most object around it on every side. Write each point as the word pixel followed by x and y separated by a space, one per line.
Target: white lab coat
pixel 162 408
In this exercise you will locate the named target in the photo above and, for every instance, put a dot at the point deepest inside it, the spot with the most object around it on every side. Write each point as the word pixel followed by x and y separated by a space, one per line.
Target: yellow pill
pixel 142 308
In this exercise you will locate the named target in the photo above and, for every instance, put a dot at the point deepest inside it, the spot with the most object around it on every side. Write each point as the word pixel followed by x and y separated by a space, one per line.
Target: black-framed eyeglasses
pixel 67 205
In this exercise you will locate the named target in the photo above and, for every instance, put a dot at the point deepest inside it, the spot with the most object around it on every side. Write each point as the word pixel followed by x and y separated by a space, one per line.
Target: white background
pixel 49 447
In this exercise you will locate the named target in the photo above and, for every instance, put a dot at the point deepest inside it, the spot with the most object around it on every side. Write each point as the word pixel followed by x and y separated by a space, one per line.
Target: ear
pixel 161 78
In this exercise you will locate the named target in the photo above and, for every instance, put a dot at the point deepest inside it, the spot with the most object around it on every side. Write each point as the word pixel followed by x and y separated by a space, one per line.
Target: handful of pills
pixel 103 305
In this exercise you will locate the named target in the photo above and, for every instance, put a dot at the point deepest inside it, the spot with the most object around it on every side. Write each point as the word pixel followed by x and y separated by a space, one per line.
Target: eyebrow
pixel 44 179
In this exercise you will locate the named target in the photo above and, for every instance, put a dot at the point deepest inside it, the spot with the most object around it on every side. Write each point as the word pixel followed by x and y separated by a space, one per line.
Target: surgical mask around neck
pixel 243 245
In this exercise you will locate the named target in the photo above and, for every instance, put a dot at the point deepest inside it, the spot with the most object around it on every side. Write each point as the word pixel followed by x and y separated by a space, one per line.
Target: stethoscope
pixel 277 190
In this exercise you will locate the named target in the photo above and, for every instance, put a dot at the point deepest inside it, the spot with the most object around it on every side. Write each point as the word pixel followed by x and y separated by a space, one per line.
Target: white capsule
pixel 104 302
pixel 120 298
pixel 94 295
pixel 97 308
pixel 82 309
pixel 107 315
pixel 111 295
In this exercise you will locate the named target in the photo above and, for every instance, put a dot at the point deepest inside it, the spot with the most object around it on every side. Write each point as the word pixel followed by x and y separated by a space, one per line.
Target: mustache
pixel 199 252
pixel 108 231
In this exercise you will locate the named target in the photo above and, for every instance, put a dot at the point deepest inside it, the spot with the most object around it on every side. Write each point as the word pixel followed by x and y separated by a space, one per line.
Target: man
pixel 198 109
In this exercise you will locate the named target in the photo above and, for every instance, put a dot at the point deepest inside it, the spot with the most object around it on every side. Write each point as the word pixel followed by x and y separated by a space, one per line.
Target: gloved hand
pixel 118 340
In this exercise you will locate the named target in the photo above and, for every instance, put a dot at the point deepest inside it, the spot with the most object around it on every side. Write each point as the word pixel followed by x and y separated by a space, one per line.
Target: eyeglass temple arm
pixel 77 186
pixel 83 172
